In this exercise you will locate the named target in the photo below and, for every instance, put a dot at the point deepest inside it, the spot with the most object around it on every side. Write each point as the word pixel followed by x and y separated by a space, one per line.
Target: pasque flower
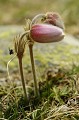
pixel 46 33
pixel 54 19
pixel 50 29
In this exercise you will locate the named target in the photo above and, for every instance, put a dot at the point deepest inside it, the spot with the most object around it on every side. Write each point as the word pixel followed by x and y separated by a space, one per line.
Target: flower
pixel 54 19
pixel 19 46
pixel 46 33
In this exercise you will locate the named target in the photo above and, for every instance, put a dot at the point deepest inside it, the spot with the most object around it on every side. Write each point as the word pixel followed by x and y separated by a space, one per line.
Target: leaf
pixel 64 91
pixel 36 114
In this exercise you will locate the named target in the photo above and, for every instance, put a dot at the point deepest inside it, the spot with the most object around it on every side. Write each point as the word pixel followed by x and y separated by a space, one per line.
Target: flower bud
pixel 54 19
pixel 46 33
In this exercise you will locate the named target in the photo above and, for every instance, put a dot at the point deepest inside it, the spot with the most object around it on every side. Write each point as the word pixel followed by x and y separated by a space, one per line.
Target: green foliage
pixel 36 114
pixel 55 93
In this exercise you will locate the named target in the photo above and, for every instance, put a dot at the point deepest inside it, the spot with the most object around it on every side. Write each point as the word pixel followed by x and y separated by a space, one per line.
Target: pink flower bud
pixel 54 19
pixel 46 33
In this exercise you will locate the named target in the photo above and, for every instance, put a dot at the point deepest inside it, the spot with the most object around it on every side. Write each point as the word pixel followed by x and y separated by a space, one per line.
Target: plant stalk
pixel 35 19
pixel 22 77
pixel 36 92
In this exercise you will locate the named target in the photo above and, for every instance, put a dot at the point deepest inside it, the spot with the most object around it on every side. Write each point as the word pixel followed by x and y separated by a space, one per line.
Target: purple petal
pixel 46 33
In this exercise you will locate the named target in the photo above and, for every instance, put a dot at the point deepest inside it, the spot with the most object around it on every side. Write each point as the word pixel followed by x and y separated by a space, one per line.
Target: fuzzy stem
pixel 35 19
pixel 8 66
pixel 22 77
pixel 36 92
pixel 25 33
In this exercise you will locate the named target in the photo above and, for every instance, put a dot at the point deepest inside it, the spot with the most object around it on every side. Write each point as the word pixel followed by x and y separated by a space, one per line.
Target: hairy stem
pixel 22 77
pixel 35 19
pixel 36 92
pixel 25 33
pixel 8 66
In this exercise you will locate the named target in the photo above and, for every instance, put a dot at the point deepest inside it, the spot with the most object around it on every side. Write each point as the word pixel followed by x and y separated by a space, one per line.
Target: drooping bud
pixel 46 33
pixel 54 19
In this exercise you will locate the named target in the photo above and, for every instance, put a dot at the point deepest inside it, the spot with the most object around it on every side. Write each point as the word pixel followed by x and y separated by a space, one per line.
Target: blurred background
pixel 12 20
pixel 15 11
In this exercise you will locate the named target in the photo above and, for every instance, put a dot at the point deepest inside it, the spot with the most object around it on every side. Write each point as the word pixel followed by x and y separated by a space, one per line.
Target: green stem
pixel 36 92
pixel 22 77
